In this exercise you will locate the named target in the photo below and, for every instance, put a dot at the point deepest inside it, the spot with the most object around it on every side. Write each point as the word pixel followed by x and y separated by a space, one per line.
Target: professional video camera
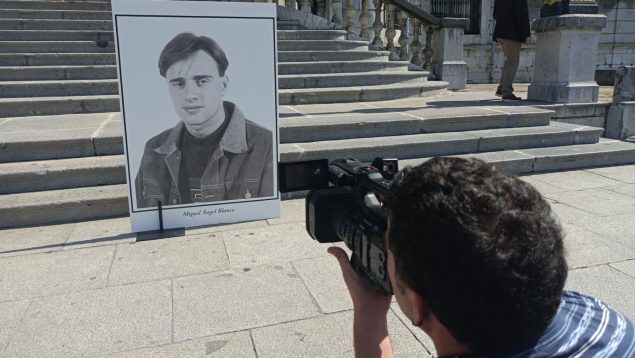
pixel 344 203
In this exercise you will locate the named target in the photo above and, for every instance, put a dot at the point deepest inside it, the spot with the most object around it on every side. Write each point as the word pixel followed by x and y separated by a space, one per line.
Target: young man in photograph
pixel 214 153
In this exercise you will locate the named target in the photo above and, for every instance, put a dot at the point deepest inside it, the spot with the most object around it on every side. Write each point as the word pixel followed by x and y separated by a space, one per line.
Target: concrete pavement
pixel 256 289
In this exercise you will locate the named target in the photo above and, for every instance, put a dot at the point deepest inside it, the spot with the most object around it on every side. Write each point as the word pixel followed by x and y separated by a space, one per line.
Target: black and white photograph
pixel 199 103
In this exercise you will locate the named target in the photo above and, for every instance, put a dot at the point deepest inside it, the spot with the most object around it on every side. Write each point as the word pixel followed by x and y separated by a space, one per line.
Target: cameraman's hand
pixel 365 299
pixel 370 325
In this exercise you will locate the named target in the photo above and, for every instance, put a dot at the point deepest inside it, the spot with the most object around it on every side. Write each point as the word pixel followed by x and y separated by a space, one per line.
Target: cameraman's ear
pixel 420 310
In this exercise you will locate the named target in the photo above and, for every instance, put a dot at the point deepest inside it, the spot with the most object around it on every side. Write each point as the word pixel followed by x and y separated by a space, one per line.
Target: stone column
pixel 566 51
pixel 620 123
pixel 447 59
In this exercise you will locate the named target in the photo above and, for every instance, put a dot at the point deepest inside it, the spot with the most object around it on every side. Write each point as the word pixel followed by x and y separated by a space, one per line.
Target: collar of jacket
pixel 234 139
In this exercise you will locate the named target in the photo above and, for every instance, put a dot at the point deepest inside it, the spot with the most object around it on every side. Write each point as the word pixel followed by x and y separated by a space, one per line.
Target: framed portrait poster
pixel 198 92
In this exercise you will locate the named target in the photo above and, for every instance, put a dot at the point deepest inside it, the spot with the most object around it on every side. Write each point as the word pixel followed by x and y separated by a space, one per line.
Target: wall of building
pixel 616 48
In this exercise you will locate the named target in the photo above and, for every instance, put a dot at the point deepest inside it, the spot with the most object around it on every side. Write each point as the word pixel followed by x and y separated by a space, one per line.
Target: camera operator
pixel 476 261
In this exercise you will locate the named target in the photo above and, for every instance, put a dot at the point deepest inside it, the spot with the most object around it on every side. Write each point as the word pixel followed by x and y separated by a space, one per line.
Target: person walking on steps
pixel 511 31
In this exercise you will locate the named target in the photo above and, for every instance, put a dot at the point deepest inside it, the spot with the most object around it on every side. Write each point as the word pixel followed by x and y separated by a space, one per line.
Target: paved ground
pixel 258 289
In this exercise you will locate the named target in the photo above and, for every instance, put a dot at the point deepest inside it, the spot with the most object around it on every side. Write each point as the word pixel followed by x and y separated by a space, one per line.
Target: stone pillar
pixel 566 51
pixel 447 59
pixel 620 123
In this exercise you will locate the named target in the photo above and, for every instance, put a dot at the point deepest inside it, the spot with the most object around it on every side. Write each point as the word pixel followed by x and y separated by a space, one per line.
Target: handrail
pixel 416 11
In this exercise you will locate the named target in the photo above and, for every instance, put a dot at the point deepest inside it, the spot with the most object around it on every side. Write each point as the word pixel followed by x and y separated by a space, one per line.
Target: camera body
pixel 346 205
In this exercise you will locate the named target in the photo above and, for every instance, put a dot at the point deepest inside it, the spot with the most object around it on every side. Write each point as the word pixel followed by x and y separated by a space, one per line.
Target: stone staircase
pixel 61 133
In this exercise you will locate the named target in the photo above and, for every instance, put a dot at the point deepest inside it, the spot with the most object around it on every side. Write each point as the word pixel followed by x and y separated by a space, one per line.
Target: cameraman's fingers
pixel 342 258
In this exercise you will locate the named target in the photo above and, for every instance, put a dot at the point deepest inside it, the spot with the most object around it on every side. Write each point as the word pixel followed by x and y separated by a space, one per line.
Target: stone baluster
pixel 404 41
pixel 415 46
pixel 378 44
pixel 391 32
pixel 321 8
pixel 364 21
pixel 427 51
pixel 305 6
pixel 349 13
pixel 336 8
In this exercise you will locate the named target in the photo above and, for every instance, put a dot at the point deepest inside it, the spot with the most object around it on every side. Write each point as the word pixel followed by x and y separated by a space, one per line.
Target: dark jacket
pixel 512 20
pixel 241 167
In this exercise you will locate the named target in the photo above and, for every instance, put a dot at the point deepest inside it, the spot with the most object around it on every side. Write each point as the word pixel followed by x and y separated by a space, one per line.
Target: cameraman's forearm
pixel 371 338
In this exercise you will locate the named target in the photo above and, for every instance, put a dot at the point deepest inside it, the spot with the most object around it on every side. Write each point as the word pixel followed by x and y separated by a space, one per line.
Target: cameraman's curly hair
pixel 482 247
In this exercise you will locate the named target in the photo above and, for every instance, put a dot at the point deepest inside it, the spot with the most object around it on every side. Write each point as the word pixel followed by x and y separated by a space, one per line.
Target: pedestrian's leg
pixel 511 50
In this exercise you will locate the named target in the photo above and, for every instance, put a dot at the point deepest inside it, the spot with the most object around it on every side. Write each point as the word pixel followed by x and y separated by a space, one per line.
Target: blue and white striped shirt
pixel 583 327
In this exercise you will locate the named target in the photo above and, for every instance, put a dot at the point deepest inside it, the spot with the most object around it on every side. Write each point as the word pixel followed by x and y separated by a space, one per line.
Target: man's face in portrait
pixel 197 90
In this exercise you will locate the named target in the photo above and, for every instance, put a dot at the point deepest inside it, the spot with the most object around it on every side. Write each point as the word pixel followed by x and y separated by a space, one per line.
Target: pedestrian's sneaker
pixel 499 91
pixel 511 97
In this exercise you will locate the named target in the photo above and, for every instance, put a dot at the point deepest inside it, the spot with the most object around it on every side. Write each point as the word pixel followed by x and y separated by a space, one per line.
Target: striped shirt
pixel 583 327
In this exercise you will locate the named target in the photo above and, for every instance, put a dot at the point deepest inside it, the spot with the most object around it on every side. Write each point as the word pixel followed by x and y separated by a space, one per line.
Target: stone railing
pixel 430 43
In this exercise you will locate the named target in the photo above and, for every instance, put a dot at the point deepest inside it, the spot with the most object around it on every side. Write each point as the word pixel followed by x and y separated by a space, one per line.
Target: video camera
pixel 344 203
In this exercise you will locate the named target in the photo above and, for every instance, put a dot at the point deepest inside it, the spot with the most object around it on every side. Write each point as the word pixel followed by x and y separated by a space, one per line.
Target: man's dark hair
pixel 483 249
pixel 184 45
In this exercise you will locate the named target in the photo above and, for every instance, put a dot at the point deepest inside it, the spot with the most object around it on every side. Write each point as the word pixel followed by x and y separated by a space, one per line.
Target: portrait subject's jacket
pixel 512 20
pixel 241 167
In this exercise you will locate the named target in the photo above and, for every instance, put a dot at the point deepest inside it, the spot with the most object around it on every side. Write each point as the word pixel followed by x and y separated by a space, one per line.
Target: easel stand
pixel 161 233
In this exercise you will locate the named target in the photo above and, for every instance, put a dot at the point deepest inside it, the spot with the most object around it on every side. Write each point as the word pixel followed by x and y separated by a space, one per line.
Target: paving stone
pixel 575 180
pixel 291 211
pixel 626 189
pixel 197 230
pixel 333 109
pixel 597 201
pixel 607 284
pixel 419 334
pixel 628 267
pixel 173 257
pixel 31 240
pixel 239 299
pixel 584 248
pixel 233 345
pixel 100 233
pixel 96 322
pixel 271 245
pixel 323 278
pixel 327 336
pixel 54 273
pixel 541 186
pixel 10 315
pixel 625 173
pixel 569 214
pixel 619 228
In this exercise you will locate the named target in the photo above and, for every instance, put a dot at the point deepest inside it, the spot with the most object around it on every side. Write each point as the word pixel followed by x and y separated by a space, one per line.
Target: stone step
pixel 321 45
pixel 314 56
pixel 54 14
pixel 112 200
pixel 12 47
pixel 311 34
pixel 441 144
pixel 56 59
pixel 48 73
pixel 296 68
pixel 394 123
pixel 17 89
pixel 331 80
pixel 63 205
pixel 98 5
pixel 37 106
pixel 55 35
pixel 61 174
pixel 360 93
pixel 55 24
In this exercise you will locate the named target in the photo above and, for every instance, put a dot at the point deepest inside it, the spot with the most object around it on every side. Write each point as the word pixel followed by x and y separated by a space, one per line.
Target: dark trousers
pixel 511 50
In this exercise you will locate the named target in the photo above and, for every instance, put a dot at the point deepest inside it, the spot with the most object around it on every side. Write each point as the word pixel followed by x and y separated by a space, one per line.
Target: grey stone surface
pixel 624 87
pixel 323 278
pixel 607 284
pixel 233 345
pixel 570 22
pixel 623 173
pixel 100 233
pixel 600 202
pixel 31 240
pixel 568 214
pixel 327 336
pixel 626 189
pixel 628 267
pixel 225 227
pixel 239 299
pixel 620 122
pixel 54 273
pixel 417 332
pixel 158 259
pixel 578 180
pixel 543 187
pixel 619 228
pixel 447 59
pixel 291 211
pixel 585 248
pixel 10 315
pixel 270 245
pixel 95 322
